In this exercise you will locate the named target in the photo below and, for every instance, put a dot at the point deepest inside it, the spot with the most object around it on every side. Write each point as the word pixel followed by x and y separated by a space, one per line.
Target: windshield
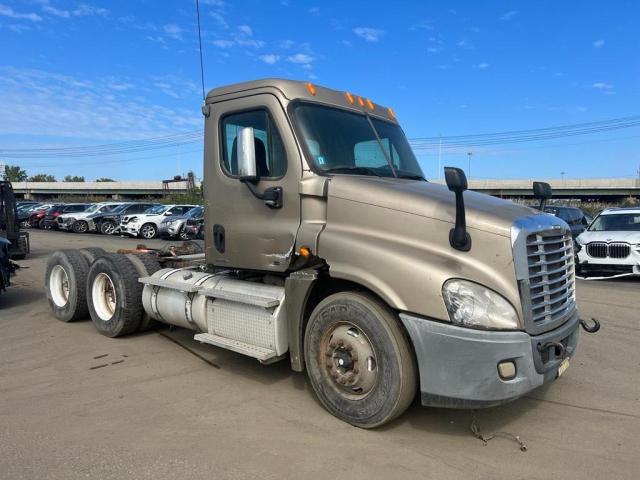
pixel 194 212
pixel 118 208
pixel 156 210
pixel 618 222
pixel 345 142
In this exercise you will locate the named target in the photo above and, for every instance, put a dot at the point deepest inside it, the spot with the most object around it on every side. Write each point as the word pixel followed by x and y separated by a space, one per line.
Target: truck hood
pixel 628 237
pixel 432 200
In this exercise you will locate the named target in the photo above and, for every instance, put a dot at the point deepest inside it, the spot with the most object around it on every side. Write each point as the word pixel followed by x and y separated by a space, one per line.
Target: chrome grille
pixel 608 250
pixel 551 285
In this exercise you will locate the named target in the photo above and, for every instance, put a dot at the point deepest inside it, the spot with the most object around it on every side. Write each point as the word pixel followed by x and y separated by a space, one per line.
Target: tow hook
pixel 590 329
pixel 560 351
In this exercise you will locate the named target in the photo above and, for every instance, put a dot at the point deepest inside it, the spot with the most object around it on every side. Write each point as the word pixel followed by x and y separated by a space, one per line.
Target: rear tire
pixel 65 285
pixel 359 360
pixel 91 253
pixel 114 295
pixel 146 265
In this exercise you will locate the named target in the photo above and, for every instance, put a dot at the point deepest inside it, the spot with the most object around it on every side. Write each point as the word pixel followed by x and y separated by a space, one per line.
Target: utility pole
pixel 562 175
pixel 440 158
pixel 469 161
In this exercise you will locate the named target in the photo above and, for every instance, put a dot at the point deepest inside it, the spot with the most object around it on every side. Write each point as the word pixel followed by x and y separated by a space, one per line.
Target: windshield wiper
pixel 411 176
pixel 365 170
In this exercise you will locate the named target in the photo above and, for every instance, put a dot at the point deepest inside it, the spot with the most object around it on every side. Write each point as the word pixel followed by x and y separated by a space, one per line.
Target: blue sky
pixel 96 72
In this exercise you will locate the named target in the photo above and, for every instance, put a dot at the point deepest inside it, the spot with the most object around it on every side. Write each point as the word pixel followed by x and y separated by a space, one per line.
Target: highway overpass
pixel 584 189
pixel 107 190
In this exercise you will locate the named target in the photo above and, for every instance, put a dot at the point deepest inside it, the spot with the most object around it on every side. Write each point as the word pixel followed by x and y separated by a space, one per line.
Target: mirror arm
pixel 272 196
pixel 458 236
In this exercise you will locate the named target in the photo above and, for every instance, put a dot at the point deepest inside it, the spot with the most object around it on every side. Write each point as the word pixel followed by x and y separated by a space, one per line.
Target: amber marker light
pixel 391 113
pixel 311 88
pixel 349 98
pixel 305 252
pixel 370 105
pixel 360 101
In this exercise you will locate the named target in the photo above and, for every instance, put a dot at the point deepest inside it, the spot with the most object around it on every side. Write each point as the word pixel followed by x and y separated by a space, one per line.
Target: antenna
pixel 200 44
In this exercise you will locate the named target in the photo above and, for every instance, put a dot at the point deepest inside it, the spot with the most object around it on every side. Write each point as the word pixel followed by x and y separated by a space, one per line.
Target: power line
pixel 422 143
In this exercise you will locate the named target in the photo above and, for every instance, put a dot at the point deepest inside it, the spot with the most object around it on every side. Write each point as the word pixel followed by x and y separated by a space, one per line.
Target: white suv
pixel 611 244
pixel 147 224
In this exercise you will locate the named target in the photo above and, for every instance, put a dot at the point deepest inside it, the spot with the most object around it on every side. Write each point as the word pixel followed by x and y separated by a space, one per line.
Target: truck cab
pixel 325 245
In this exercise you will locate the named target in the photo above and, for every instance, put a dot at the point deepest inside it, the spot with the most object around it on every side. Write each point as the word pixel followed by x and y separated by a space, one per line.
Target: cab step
pixel 241 297
pixel 260 353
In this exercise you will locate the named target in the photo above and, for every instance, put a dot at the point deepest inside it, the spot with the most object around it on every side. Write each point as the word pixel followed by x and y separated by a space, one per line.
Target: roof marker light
pixel 391 113
pixel 370 105
pixel 349 98
pixel 311 88
pixel 361 101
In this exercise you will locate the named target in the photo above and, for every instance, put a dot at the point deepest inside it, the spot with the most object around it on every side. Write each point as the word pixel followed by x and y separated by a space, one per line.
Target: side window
pixel 271 161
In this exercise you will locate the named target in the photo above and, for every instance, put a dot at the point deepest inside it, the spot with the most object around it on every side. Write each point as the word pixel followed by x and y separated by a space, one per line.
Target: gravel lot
pixel 167 407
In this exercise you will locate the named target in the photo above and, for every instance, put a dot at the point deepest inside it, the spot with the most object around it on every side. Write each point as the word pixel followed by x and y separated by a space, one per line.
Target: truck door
pixel 243 231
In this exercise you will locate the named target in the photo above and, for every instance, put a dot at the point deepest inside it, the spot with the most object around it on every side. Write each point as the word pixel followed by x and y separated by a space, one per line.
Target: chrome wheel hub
pixel 350 360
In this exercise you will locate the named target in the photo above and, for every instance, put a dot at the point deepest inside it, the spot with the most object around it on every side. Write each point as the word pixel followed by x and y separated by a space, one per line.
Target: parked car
pixel 50 220
pixel 147 224
pixel 108 223
pixel 194 226
pixel 36 217
pixel 77 221
pixel 175 225
pixel 611 244
pixel 25 211
pixel 575 217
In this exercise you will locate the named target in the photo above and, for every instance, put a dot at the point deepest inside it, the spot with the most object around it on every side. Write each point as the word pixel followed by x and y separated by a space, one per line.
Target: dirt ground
pixel 165 406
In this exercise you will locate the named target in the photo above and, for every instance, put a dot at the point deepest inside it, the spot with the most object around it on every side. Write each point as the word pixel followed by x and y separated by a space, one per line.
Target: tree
pixel 104 179
pixel 73 178
pixel 14 173
pixel 42 177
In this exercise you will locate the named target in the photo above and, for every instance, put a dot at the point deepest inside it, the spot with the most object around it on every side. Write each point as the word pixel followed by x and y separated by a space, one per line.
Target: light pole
pixel 562 175
pixel 469 163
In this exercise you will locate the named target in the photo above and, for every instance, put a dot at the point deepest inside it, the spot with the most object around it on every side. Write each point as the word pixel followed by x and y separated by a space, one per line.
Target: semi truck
pixel 326 247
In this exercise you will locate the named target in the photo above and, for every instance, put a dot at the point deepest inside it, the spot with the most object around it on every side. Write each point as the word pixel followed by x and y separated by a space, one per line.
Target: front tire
pixel 148 231
pixel 80 226
pixel 359 360
pixel 107 228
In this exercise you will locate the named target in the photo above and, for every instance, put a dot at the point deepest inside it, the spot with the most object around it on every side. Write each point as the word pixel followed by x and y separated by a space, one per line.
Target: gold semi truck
pixel 326 247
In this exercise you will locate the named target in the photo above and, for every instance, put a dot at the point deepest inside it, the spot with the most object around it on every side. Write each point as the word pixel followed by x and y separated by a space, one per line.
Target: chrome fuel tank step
pixel 244 316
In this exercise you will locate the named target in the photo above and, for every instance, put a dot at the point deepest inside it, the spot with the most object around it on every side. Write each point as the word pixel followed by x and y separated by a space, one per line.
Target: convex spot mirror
pixel 542 190
pixel 246 155
pixel 456 179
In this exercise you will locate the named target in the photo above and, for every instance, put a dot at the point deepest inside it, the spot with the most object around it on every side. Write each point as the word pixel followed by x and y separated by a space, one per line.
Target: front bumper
pixel 459 366
pixel 607 266
pixel 130 229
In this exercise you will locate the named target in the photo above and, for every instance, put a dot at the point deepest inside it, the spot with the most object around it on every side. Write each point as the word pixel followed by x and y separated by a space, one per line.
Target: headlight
pixel 475 306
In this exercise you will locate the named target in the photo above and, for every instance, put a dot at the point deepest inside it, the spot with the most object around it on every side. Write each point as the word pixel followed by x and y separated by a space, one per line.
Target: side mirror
pixel 247 155
pixel 542 191
pixel 457 183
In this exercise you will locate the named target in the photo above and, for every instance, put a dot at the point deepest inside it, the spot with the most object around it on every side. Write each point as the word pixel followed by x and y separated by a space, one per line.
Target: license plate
pixel 563 366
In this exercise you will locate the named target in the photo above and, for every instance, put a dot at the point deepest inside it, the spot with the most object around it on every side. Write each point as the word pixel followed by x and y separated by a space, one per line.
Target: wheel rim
pixel 350 364
pixel 104 298
pixel 148 231
pixel 59 286
pixel 108 228
pixel 184 235
pixel 81 227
